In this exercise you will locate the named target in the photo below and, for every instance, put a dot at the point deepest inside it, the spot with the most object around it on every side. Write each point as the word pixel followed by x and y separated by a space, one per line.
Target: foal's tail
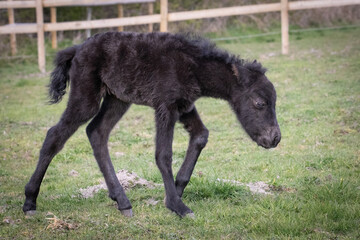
pixel 60 76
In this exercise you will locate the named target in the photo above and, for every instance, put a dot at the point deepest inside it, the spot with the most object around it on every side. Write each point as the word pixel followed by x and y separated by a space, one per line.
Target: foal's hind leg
pixel 77 113
pixel 198 139
pixel 98 132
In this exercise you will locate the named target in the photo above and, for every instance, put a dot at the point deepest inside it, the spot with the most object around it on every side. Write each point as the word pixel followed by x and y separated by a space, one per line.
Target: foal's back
pixel 146 69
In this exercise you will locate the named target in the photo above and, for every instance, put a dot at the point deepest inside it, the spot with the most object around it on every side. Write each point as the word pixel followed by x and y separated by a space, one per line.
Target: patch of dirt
pixel 3 208
pixel 341 131
pixel 328 234
pixel 10 221
pixel 282 189
pixel 119 154
pixel 73 173
pixel 130 180
pixel 127 180
pixel 259 187
pixel 151 201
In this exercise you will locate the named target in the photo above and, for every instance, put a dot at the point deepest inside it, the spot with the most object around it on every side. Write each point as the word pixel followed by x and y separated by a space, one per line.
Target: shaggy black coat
pixel 167 72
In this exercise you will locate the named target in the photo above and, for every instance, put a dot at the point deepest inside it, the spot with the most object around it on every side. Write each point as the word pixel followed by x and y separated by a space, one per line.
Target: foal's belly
pixel 131 92
pixel 134 98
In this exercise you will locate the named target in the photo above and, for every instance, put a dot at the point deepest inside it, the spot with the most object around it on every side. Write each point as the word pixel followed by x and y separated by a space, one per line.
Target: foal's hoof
pixel 127 212
pixel 179 208
pixel 190 215
pixel 30 213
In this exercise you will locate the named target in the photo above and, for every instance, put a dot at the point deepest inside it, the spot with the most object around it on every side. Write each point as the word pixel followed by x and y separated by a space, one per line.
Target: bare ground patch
pixel 127 180
pixel 130 180
pixel 259 187
pixel 254 187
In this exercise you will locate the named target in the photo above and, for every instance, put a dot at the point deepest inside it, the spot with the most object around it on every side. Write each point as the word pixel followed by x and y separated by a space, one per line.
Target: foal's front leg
pixel 165 122
pixel 198 139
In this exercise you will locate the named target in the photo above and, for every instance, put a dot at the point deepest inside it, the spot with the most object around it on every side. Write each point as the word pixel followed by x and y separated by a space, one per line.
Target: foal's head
pixel 253 99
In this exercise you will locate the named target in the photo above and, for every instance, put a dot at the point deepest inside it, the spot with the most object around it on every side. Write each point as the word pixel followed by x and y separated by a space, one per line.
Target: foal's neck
pixel 215 79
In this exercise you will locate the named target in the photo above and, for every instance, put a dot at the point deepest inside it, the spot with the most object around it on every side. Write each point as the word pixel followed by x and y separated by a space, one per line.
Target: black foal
pixel 166 72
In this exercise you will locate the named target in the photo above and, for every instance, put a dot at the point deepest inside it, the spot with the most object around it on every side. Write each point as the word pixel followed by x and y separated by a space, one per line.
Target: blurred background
pixel 229 26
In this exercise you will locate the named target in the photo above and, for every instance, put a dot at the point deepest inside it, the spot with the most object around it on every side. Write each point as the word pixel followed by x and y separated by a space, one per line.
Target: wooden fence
pixel 283 6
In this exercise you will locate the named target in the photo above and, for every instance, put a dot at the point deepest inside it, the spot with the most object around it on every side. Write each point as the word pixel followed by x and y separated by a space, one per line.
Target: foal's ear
pixel 235 70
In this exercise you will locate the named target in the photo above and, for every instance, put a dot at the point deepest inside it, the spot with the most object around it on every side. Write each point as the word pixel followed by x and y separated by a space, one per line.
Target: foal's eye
pixel 260 104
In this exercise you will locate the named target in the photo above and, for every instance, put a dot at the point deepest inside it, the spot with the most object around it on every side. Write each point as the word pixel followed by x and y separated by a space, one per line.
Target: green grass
pixel 315 170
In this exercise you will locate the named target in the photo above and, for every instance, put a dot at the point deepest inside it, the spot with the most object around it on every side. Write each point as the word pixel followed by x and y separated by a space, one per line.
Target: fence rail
pixel 284 6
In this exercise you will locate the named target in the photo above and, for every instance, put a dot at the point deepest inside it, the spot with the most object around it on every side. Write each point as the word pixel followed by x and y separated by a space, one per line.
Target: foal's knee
pixel 163 159
pixel 201 139
pixel 91 133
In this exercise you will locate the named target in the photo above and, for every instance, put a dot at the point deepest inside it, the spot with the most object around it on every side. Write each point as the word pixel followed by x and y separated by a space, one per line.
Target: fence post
pixel 12 35
pixel 53 33
pixel 40 35
pixel 151 12
pixel 284 27
pixel 88 17
pixel 164 15
pixel 120 15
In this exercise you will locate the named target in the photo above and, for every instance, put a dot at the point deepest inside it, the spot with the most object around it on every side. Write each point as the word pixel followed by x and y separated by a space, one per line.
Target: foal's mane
pixel 200 47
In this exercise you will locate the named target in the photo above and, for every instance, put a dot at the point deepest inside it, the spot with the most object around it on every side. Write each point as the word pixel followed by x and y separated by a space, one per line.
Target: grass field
pixel 314 173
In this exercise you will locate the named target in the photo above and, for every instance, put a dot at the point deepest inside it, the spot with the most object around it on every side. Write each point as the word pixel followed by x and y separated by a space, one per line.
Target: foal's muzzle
pixel 271 138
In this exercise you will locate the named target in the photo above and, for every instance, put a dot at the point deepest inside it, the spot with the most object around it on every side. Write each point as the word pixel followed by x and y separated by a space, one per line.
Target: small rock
pixel 151 201
pixel 329 177
pixel 8 220
pixel 119 154
pixel 3 208
pixel 73 173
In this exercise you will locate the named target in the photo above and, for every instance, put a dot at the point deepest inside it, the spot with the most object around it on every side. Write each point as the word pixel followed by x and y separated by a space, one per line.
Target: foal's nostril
pixel 275 141
pixel 274 136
